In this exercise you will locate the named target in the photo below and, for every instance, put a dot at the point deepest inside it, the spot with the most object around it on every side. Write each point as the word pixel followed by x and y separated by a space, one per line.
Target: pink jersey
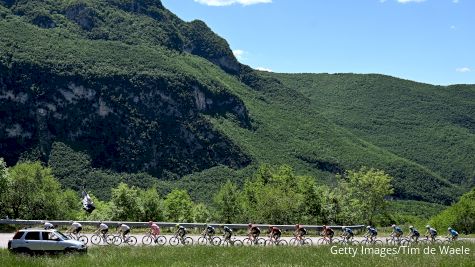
pixel 155 229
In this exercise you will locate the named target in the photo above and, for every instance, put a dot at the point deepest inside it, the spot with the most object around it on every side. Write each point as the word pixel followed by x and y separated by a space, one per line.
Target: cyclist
pixel 328 232
pixel 228 233
pixel 347 233
pixel 414 234
pixel 275 233
pixel 397 231
pixel 454 234
pixel 432 232
pixel 181 231
pixel 300 232
pixel 48 226
pixel 124 229
pixel 103 228
pixel 154 230
pixel 210 231
pixel 253 231
pixel 75 228
pixel 372 233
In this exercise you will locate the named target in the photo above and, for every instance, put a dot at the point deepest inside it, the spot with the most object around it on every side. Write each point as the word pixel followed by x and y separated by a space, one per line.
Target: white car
pixel 31 241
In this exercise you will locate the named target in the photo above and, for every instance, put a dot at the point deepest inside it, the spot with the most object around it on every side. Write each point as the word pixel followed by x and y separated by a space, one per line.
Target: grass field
pixel 244 256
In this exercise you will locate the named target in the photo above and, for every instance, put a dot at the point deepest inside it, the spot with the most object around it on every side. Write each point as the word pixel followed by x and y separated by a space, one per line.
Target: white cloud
pixel 239 54
pixel 410 1
pixel 263 69
pixel 232 2
pixel 463 69
pixel 453 27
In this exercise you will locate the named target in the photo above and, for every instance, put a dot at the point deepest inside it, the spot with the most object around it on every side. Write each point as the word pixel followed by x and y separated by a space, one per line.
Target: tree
pixel 152 205
pixel 363 194
pixel 126 203
pixel 460 216
pixel 3 186
pixel 200 213
pixel 178 206
pixel 228 203
pixel 33 192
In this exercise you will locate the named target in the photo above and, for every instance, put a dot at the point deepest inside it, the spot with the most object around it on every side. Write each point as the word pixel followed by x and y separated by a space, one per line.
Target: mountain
pixel 125 86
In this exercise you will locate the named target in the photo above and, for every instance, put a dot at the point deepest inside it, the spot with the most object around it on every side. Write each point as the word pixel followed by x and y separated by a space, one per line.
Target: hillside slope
pixel 136 89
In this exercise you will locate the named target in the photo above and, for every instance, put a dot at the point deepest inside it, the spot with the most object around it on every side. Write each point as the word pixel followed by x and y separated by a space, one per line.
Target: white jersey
pixel 103 226
pixel 124 227
pixel 48 225
pixel 76 225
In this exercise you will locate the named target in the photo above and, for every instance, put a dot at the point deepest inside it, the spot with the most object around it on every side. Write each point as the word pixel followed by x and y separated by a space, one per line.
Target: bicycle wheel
pixel 161 240
pixel 377 243
pixel 216 241
pixel 322 241
pixel 131 240
pixel 307 242
pixel 202 240
pixel 110 239
pixel 174 241
pixel 117 240
pixel 237 243
pixel 96 239
pixel 83 239
pixel 282 242
pixel 294 241
pixel 188 241
pixel 147 240
pixel 261 241
pixel 268 243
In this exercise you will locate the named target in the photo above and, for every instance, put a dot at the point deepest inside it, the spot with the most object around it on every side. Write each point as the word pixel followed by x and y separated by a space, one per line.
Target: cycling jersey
pixel 124 227
pixel 453 232
pixel 182 231
pixel 373 231
pixel 432 231
pixel 103 226
pixel 328 231
pixel 210 229
pixel 414 232
pixel 398 229
pixel 155 229
pixel 302 231
pixel 348 231
pixel 255 230
pixel 48 226
pixel 76 225
pixel 228 230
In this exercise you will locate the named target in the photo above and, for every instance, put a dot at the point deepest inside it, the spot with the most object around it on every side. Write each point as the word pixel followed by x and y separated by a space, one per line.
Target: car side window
pixel 32 236
pixel 49 236
pixel 18 235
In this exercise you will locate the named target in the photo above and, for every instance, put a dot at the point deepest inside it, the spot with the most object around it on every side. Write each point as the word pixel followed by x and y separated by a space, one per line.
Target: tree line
pixel 273 195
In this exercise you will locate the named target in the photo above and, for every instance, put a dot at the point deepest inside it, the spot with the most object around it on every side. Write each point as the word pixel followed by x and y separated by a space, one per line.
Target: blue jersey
pixel 453 232
pixel 397 229
pixel 415 232
pixel 348 231
pixel 373 231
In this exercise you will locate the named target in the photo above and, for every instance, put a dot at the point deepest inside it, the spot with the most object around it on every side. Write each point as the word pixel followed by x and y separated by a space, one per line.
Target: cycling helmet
pixel 150 223
pixel 410 227
pixel 297 225
pixel 250 225
pixel 367 227
pixel 427 226
pixel 343 228
pixel 393 225
pixel 450 228
pixel 324 227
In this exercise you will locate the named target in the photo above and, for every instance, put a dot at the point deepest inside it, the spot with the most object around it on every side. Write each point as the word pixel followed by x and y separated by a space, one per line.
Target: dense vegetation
pixel 235 256
pixel 123 91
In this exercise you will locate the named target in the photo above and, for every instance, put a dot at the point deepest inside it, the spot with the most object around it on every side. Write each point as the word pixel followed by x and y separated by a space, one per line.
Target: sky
pixel 430 41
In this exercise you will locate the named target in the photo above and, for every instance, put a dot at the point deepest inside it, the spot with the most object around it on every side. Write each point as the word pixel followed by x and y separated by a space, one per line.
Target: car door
pixel 33 240
pixel 50 241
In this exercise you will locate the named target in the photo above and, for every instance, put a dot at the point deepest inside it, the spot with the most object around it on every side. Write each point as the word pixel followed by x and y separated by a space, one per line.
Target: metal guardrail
pixel 170 224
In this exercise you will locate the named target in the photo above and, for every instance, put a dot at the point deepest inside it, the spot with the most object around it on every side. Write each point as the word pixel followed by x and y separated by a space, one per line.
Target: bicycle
pixel 205 238
pixel 250 240
pixel 374 241
pixel 78 237
pixel 326 240
pixel 185 240
pixel 300 242
pixel 129 240
pixel 345 241
pixel 394 240
pixel 149 238
pixel 428 240
pixel 231 242
pixel 96 239
pixel 279 242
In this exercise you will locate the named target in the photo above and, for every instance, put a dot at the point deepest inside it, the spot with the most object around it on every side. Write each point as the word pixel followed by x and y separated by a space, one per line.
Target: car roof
pixel 36 229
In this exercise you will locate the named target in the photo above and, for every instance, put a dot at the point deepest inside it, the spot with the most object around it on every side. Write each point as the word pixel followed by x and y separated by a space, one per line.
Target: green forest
pixel 123 98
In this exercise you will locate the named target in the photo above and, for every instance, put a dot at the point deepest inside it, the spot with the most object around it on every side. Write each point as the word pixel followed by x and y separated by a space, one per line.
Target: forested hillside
pixel 124 91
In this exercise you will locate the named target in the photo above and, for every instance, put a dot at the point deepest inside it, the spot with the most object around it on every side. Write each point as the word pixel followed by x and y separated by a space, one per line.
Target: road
pixel 5 237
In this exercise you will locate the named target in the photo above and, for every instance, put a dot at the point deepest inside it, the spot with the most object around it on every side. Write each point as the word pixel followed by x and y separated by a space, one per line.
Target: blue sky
pixel 430 41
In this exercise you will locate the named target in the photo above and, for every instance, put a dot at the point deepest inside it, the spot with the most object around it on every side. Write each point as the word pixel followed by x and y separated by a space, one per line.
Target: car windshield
pixel 61 235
